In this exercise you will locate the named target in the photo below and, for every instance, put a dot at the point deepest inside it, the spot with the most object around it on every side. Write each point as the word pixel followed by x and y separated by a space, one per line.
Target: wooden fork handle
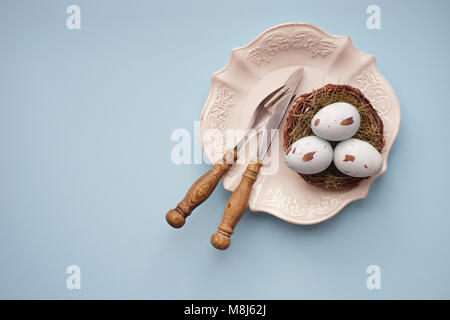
pixel 200 190
pixel 235 207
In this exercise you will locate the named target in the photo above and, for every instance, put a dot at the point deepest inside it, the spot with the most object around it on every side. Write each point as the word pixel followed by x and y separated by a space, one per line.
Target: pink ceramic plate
pixel 258 68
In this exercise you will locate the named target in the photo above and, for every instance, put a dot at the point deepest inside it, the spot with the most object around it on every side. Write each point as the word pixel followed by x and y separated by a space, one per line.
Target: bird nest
pixel 298 125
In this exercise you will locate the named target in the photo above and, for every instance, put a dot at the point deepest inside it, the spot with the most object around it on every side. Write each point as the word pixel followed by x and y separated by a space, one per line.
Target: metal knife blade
pixel 280 108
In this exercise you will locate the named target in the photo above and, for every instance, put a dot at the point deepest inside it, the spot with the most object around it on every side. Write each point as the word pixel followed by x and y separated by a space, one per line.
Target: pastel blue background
pixel 86 177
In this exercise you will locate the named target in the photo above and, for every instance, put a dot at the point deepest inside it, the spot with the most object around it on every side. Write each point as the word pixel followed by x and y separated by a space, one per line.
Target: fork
pixel 202 188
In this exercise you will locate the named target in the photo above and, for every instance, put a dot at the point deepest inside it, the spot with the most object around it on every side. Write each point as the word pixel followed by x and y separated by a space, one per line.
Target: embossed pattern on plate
pixel 252 72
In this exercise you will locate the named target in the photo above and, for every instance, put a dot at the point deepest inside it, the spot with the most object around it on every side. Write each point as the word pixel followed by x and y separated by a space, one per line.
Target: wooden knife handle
pixel 235 207
pixel 200 190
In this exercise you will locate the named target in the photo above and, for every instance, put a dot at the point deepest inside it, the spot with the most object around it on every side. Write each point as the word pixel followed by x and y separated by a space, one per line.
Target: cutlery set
pixel 264 124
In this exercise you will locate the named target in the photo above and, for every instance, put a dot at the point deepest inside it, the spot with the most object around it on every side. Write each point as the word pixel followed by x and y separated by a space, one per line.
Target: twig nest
pixel 300 124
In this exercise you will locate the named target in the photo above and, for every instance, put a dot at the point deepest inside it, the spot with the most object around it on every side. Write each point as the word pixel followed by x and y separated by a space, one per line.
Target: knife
pixel 205 185
pixel 238 201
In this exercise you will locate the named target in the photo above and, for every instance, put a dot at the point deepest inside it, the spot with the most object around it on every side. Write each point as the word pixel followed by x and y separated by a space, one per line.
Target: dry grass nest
pixel 298 125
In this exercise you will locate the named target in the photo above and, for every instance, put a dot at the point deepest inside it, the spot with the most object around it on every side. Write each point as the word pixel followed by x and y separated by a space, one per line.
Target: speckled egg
pixel 309 155
pixel 337 121
pixel 357 158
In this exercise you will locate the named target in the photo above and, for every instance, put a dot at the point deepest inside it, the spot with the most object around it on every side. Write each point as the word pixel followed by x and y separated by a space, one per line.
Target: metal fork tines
pixel 261 114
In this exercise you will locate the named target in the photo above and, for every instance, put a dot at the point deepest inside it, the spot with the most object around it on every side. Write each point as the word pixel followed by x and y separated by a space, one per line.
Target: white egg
pixel 337 121
pixel 357 158
pixel 309 155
